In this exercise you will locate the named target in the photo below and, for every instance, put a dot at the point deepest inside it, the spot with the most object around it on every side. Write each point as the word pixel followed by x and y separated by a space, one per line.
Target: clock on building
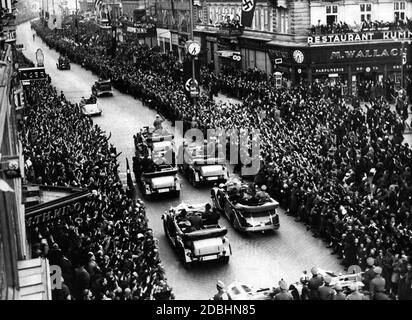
pixel 298 56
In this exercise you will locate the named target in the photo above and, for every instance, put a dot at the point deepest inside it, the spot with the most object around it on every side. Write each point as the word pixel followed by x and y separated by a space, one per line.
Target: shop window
pixel 283 20
pixel 331 14
pixel 399 8
pixel 366 11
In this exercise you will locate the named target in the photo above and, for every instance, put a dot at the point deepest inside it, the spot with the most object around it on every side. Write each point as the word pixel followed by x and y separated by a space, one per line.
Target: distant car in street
pixel 102 88
pixel 63 63
pixel 90 107
pixel 250 216
pixel 206 241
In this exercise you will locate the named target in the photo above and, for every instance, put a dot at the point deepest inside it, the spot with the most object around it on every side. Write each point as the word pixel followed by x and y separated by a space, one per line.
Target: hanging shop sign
pixel 35 73
pixel 72 201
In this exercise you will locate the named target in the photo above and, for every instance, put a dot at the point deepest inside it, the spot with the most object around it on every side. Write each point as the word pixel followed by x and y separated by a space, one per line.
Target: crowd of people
pixel 106 251
pixel 366 25
pixel 340 170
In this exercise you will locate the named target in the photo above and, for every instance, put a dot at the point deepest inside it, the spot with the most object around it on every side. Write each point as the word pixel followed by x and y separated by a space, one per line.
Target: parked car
pixel 202 242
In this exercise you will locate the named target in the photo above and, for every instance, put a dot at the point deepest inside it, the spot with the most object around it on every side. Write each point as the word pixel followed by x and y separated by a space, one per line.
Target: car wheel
pixel 177 193
pixel 225 259
pixel 166 230
pixel 192 179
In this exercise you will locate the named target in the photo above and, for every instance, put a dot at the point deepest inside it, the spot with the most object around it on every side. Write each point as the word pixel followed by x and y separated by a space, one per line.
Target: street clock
pixel 193 48
pixel 298 56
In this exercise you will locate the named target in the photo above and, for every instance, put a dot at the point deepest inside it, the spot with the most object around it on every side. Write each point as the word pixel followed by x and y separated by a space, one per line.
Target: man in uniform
pixel 262 196
pixel 221 292
pixel 369 274
pixel 326 292
pixel 355 294
pixel 377 286
pixel 339 295
pixel 314 283
pixel 157 123
pixel 284 293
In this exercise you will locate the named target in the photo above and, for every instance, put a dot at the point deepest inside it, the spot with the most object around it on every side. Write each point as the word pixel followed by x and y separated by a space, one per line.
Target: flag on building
pixel 248 10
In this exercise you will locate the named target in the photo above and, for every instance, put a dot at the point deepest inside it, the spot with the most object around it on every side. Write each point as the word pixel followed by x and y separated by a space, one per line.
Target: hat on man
pixel 314 271
pixel 370 261
pixel 283 285
pixel 338 287
pixel 220 285
pixel 263 188
pixel 327 278
pixel 353 287
pixel 377 270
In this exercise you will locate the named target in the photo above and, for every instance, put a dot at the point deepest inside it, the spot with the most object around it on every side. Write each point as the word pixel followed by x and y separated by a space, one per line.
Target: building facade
pixel 294 37
pixel 352 41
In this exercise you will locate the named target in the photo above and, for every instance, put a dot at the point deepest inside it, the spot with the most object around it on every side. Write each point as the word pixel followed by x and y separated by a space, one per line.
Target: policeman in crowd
pixel 221 292
pixel 377 286
pixel 284 293
pixel 314 283
pixel 326 292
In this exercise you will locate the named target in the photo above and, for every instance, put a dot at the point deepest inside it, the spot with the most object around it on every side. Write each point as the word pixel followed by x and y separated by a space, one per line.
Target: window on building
pixel 283 20
pixel 366 11
pixel 331 14
pixel 399 8
pixel 263 13
pixel 257 19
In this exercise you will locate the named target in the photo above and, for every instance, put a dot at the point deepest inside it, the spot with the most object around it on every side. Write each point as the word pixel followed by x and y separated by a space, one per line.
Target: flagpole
pixel 192 37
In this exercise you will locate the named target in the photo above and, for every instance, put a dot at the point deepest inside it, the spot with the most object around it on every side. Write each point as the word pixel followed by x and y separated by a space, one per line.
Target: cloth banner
pixel 248 11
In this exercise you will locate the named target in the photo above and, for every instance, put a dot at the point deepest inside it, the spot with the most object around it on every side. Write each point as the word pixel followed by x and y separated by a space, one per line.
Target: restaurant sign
pixel 343 38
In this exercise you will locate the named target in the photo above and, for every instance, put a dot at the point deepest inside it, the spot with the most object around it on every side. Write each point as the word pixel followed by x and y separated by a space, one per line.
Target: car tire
pixel 167 233
pixel 187 265
pixel 226 259
pixel 177 193
pixel 192 179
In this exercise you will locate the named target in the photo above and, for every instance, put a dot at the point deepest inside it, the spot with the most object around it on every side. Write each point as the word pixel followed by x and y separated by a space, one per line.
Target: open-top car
pixel 195 233
pixel 246 210
pixel 154 163
pixel 63 63
pixel 241 291
pixel 102 87
pixel 90 107
pixel 201 165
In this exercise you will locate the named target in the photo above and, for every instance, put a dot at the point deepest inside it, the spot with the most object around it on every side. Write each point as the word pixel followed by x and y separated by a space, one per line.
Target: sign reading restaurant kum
pixel 359 37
